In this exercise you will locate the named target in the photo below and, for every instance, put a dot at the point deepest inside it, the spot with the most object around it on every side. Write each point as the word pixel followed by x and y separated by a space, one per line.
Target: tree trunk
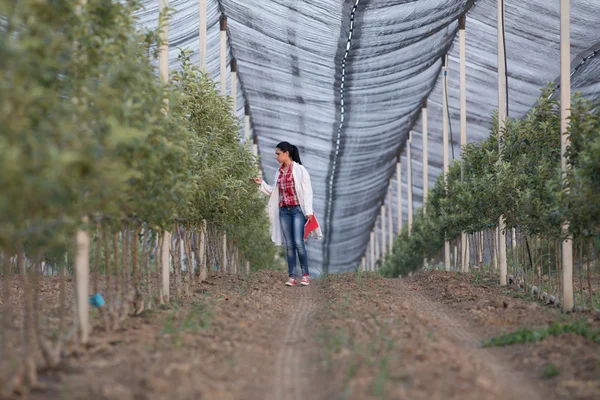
pixel 558 271
pixel 481 249
pixel 581 263
pixel 148 241
pixel 159 269
pixel 589 274
pixel 109 298
pixel 97 259
pixel 28 356
pixel 114 312
pixel 137 290
pixel 201 254
pixel 177 258
pixel 187 236
pixel 6 320
pixel 126 269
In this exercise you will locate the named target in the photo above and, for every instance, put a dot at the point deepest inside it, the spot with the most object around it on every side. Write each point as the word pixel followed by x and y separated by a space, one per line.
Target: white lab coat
pixel 305 198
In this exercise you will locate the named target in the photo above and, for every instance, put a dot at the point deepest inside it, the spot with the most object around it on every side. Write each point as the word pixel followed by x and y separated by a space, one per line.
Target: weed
pixel 198 318
pixel 358 276
pixel 382 371
pixel 430 334
pixel 524 335
pixel 477 277
pixel 550 371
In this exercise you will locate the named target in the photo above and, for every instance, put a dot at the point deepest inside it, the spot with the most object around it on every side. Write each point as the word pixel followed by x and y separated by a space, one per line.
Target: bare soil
pixel 347 336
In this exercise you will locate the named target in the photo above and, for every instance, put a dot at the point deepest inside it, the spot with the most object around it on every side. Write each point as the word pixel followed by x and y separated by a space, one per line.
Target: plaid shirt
pixel 287 191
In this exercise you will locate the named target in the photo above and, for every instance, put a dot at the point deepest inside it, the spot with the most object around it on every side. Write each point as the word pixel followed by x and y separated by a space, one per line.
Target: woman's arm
pixel 267 189
pixel 308 192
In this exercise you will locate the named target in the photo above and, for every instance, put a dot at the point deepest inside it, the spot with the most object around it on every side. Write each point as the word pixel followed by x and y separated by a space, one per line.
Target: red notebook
pixel 310 226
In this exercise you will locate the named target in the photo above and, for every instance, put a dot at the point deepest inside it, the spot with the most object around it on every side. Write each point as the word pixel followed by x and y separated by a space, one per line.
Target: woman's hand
pixel 258 181
pixel 309 218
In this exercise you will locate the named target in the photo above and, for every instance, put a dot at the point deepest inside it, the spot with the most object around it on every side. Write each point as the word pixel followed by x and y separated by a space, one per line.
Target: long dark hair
pixel 290 148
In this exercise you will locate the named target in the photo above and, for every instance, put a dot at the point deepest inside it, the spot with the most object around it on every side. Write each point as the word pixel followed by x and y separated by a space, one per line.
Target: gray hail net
pixel 345 81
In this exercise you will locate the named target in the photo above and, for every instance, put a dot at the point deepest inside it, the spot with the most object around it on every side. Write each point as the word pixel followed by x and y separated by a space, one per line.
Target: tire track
pixel 294 373
pixel 518 385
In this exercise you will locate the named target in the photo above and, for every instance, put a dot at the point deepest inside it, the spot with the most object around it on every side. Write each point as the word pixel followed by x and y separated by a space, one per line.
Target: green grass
pixel 383 370
pixel 199 317
pixel 358 275
pixel 550 371
pixel 476 278
pixel 524 335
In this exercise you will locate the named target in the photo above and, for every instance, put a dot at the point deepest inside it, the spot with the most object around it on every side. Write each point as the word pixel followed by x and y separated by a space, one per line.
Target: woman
pixel 290 208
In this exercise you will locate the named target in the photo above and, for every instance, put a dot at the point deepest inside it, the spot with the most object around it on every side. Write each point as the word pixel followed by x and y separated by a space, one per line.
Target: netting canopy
pixel 346 80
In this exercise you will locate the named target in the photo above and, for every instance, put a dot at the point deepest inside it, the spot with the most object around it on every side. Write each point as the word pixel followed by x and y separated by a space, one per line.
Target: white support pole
pixel 399 193
pixel 203 259
pixel 255 152
pixel 501 123
pixel 377 254
pixel 445 144
pixel 463 126
pixel 425 157
pixel 363 264
pixel 565 113
pixel 425 163
pixel 409 182
pixel 225 260
pixel 233 67
pixel 513 239
pixel 383 232
pixel 390 221
pixel 247 122
pixel 163 57
pixel 82 280
pixel 481 249
pixel 463 82
pixel 372 249
pixel 202 35
pixel 223 56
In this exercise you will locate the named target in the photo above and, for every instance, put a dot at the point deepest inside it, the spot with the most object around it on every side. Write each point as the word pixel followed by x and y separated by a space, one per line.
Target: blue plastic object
pixel 97 300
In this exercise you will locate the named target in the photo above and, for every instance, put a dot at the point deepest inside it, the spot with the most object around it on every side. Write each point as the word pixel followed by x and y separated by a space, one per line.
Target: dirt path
pixel 298 374
pixel 232 338
pixel 465 337
pixel 391 339
pixel 344 337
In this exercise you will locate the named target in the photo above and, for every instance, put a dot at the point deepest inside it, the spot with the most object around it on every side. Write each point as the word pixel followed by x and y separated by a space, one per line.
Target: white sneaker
pixel 291 282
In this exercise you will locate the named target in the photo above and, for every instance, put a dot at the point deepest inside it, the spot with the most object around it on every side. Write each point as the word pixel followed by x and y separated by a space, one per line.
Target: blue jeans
pixel 292 221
